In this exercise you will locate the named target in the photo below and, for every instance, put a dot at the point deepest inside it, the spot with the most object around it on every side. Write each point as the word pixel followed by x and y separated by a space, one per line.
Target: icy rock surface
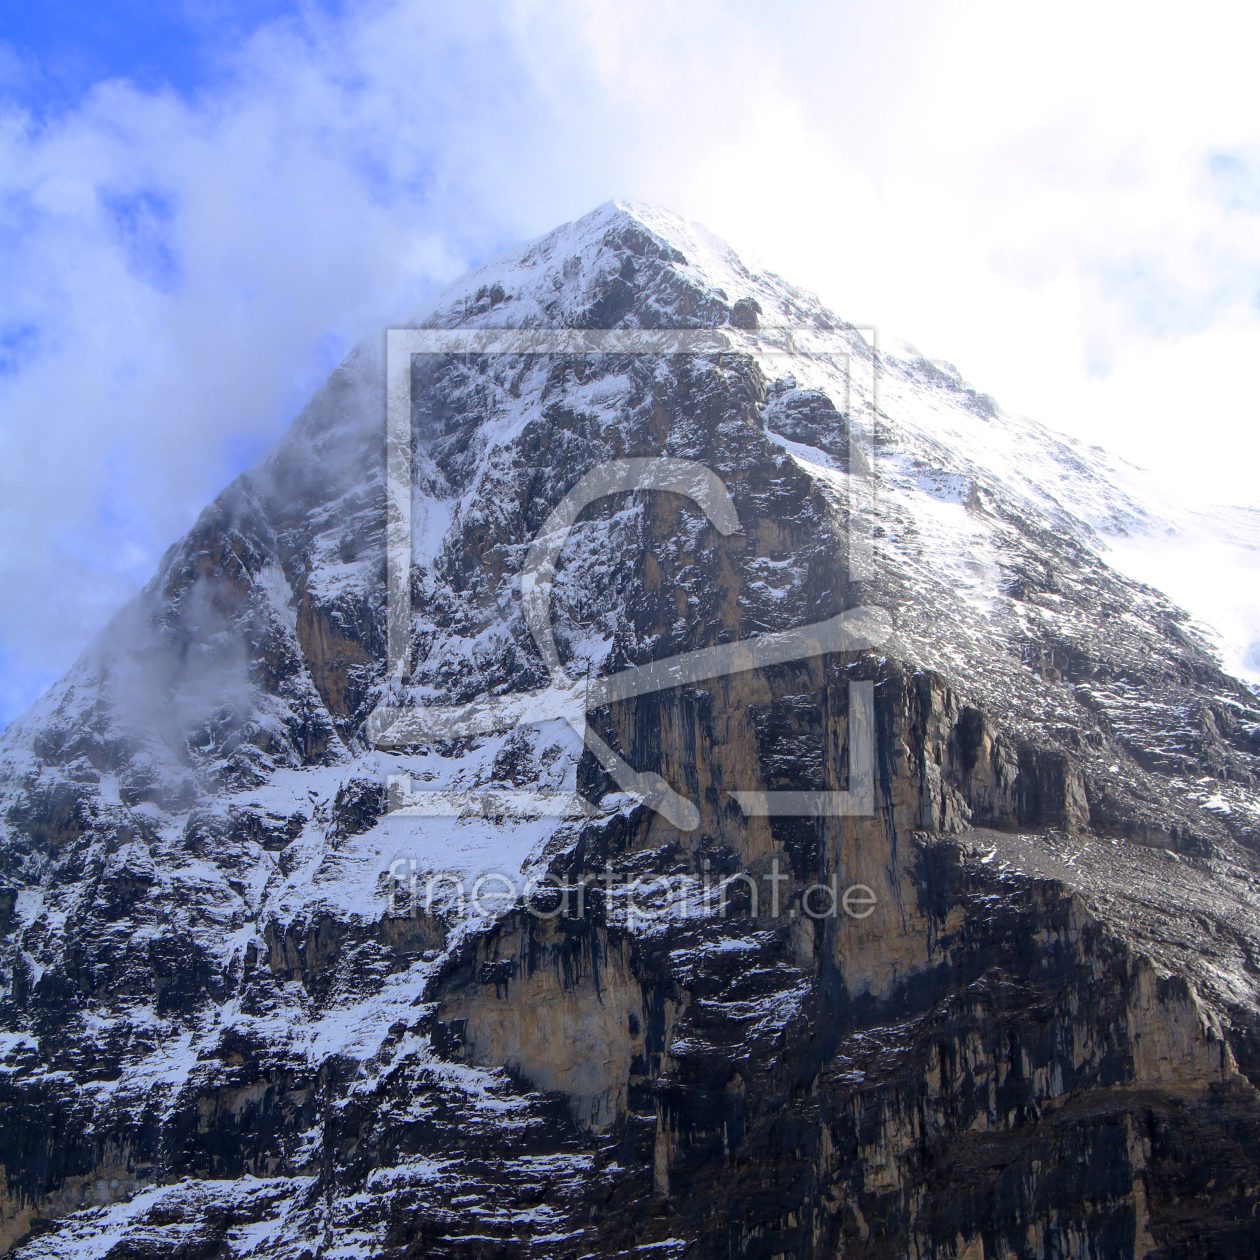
pixel 225 1033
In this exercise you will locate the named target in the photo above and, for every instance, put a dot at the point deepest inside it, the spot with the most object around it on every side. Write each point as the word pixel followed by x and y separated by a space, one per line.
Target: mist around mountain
pixel 250 1009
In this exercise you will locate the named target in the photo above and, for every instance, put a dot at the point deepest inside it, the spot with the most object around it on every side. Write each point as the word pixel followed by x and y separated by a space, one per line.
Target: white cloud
pixel 1048 205
pixel 1047 199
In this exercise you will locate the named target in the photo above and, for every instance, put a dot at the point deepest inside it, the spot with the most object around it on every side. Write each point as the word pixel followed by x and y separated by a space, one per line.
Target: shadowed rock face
pixel 242 1017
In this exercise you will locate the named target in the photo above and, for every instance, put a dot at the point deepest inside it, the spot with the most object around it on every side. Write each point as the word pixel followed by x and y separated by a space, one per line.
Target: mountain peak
pixel 624 264
pixel 261 993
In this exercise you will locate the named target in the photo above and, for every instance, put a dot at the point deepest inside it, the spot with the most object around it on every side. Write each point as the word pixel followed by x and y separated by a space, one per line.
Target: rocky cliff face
pixel 247 1011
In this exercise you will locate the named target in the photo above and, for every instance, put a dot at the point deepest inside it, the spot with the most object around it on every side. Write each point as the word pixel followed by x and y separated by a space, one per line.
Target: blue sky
pixel 64 49
pixel 203 205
